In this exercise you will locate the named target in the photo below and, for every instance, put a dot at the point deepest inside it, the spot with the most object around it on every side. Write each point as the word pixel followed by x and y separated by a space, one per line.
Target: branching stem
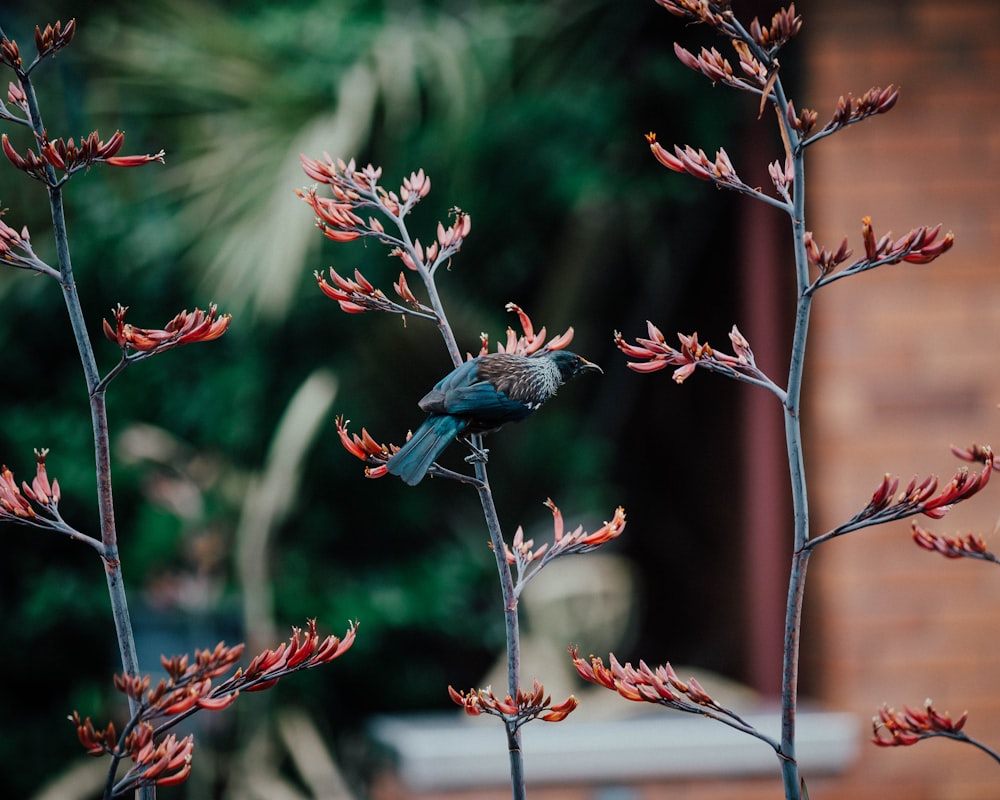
pixel 98 416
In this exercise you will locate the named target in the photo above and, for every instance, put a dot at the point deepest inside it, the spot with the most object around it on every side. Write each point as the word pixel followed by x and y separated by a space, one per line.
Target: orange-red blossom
pixel 971 544
pixel 68 156
pixel 576 541
pixel 529 340
pixel 657 354
pixel 185 328
pixel 920 498
pixel 41 491
pixel 891 728
pixel 515 710
pixel 188 688
pixel 645 684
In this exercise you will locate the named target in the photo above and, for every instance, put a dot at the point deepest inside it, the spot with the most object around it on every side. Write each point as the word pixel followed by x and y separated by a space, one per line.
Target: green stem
pixel 102 449
pixel 796 465
pixel 510 621
pixel 507 590
pixel 98 415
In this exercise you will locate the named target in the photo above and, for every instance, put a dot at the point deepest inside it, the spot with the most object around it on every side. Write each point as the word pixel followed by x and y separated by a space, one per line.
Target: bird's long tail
pixel 415 457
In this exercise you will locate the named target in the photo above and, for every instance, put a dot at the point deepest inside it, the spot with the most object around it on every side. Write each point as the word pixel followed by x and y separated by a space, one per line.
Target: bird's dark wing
pixel 476 390
pixel 436 400
pixel 482 402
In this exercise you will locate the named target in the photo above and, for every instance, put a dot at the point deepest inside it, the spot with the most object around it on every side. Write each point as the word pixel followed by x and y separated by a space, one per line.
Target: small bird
pixel 478 397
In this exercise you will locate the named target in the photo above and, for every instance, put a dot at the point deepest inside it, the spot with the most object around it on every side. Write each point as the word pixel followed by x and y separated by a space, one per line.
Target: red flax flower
pixel 888 503
pixel 891 728
pixel 784 25
pixel 95 742
pixel 54 37
pixel 365 448
pixel 70 157
pixel 972 545
pixel 190 687
pixel 851 109
pixel 10 238
pixel 522 553
pixel 13 504
pixel 163 763
pixel 976 453
pixel 662 686
pixel 516 711
pixel 48 41
pixel 822 258
pixel 15 250
pixel 803 121
pixel 695 162
pixel 304 650
pixel 698 11
pixel 356 192
pixel 185 328
pixel 359 295
pixel 920 246
pixel 528 341
pixel 656 354
pixel 41 492
pixel 10 53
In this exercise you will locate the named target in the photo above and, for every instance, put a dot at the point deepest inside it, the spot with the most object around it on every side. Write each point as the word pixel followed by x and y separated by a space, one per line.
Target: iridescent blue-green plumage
pixel 480 396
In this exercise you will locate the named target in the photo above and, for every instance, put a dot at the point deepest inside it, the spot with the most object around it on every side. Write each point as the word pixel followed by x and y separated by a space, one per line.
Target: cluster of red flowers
pixel 47 41
pixel 515 711
pixel 166 762
pixel 645 684
pixel 784 25
pixel 188 688
pixel 696 163
pixel 529 340
pixel 852 109
pixel 358 190
pixel 891 728
pixel 60 154
pixel 343 218
pixel 185 328
pixel 920 246
pixel 716 67
pixel 522 554
pixel 889 503
pixel 698 11
pixel 70 157
pixel 360 295
pixel 822 258
pixel 971 545
pixel 41 491
pixel 12 240
pixel 920 498
pixel 657 355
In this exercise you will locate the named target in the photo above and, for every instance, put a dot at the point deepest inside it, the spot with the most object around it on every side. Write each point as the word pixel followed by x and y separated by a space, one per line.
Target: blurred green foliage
pixel 530 117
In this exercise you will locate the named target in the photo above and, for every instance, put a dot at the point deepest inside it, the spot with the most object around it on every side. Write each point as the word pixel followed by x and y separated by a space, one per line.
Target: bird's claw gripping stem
pixel 477 455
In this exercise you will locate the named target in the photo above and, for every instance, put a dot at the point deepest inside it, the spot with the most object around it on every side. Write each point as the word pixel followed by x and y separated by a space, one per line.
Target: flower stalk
pixel 345 217
pixel 757 71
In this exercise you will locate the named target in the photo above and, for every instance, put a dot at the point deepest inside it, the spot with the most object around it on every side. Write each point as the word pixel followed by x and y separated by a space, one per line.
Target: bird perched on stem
pixel 479 396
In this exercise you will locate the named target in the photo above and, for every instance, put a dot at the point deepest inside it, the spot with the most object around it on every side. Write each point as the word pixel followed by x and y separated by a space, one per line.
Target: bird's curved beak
pixel 589 366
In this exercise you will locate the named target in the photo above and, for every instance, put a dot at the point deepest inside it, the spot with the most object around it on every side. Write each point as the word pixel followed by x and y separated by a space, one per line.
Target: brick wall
pixel 904 362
